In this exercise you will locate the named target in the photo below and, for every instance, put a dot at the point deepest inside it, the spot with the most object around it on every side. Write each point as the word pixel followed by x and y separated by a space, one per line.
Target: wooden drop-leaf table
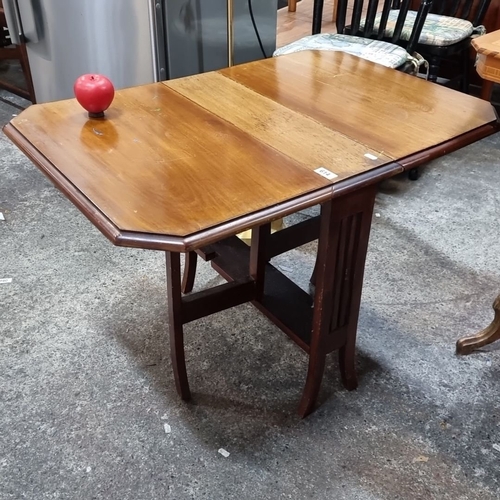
pixel 183 166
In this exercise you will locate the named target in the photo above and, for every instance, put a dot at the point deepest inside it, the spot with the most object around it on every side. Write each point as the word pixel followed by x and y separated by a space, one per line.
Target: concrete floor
pixel 86 385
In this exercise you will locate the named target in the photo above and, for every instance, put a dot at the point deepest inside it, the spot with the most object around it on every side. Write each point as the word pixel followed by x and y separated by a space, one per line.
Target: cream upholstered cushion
pixel 437 31
pixel 384 53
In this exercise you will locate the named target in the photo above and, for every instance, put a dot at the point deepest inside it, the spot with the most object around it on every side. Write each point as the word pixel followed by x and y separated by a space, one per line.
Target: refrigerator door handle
pixel 27 21
pixel 21 22
pixel 158 39
pixel 13 21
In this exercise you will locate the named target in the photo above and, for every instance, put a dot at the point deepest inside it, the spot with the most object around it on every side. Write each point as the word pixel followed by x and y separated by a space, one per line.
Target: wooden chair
pixel 361 37
pixel 15 52
pixel 446 35
pixel 445 39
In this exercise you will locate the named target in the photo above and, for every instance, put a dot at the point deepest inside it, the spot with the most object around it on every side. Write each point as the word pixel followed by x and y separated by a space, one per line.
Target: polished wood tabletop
pixel 183 157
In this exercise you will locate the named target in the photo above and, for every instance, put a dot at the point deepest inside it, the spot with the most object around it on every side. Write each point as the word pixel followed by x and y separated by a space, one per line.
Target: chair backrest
pixel 472 10
pixel 367 27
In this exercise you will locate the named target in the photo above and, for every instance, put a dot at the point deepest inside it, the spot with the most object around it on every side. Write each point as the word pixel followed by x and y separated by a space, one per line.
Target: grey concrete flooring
pixel 86 385
pixel 11 72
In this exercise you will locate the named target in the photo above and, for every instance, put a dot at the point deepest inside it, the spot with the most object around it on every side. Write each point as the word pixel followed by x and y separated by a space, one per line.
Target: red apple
pixel 95 93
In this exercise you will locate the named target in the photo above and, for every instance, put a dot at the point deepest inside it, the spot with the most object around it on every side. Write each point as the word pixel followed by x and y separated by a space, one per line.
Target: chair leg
pixel 433 69
pixel 292 5
pixel 317 16
pixel 413 174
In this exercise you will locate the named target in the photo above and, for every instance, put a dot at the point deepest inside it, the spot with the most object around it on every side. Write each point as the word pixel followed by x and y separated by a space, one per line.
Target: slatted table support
pixel 343 230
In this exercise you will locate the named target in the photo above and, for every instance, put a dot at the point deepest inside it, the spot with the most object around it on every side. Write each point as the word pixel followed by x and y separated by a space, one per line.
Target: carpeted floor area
pixel 87 388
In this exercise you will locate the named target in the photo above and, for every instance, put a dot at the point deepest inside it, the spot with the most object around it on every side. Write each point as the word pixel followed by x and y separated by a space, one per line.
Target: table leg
pixel 175 324
pixel 486 90
pixel 347 351
pixel 182 309
pixel 344 228
pixel 190 261
pixel 258 257
pixel 342 247
pixel 466 345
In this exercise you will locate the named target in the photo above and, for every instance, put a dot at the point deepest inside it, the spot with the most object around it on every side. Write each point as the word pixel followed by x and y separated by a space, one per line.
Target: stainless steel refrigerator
pixel 133 42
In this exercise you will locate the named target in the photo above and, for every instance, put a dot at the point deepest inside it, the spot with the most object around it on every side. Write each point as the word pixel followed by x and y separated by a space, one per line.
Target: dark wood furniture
pixel 363 18
pixel 491 22
pixel 488 61
pixel 459 52
pixel 488 67
pixel 183 166
pixel 8 51
pixel 485 337
pixel 365 25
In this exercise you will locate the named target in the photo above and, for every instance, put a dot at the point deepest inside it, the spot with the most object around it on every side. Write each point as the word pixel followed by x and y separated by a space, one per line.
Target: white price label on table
pixel 324 172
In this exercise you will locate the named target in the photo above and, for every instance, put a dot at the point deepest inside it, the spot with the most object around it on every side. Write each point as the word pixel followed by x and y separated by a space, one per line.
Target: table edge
pixel 457 142
pixel 196 240
pixel 210 235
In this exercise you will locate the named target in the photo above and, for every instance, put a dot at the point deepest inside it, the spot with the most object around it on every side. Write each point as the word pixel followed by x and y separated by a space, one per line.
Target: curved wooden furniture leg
pixel 175 324
pixel 468 344
pixel 190 260
pixel 347 365
pixel 324 269
pixel 486 89
pixel 317 359
pixel 292 5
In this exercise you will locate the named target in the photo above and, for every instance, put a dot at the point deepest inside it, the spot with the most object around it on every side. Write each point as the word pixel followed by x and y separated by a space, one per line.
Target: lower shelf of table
pixel 283 302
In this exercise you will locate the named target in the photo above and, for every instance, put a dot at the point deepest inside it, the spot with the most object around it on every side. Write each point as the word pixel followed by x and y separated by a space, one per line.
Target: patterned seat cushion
pixel 383 53
pixel 437 31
